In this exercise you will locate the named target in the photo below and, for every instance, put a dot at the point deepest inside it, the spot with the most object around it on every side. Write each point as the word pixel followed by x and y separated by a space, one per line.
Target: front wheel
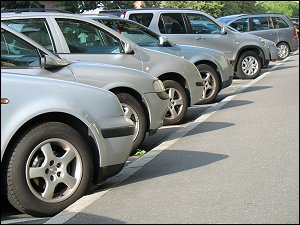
pixel 49 168
pixel 178 102
pixel 249 65
pixel 211 83
pixel 135 112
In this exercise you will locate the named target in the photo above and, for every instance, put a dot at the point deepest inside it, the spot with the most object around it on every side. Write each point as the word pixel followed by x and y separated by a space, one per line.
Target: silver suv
pixel 213 65
pixel 274 27
pixel 55 143
pixel 143 96
pixel 75 37
pixel 248 53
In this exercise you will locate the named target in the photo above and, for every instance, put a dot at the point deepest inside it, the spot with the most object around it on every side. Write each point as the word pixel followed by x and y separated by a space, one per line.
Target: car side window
pixel 17 53
pixel 279 23
pixel 242 25
pixel 36 29
pixel 83 37
pixel 201 24
pixel 171 23
pixel 143 18
pixel 261 23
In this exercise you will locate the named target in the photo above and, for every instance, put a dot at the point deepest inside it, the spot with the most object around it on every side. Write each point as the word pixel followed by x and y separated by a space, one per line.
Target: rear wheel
pixel 211 83
pixel 49 168
pixel 135 112
pixel 249 65
pixel 284 50
pixel 178 102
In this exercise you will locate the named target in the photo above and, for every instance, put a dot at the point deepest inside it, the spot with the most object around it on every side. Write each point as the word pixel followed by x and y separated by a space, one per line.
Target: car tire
pixel 249 65
pixel 134 111
pixel 284 50
pixel 49 168
pixel 178 102
pixel 211 83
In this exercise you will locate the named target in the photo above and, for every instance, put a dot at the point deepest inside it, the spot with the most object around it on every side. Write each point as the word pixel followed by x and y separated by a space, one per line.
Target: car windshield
pixel 137 33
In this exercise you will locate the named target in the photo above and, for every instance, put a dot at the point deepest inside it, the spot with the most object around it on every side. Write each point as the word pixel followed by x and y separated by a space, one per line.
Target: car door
pixel 262 26
pixel 173 26
pixel 85 41
pixel 207 33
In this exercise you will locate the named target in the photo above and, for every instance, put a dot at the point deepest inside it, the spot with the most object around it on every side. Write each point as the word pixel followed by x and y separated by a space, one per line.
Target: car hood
pixel 109 76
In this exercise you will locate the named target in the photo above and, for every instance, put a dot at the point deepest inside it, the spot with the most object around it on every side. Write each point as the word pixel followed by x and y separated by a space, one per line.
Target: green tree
pixel 151 4
pixel 289 8
pixel 117 4
pixel 239 7
pixel 79 6
pixel 19 4
pixel 213 8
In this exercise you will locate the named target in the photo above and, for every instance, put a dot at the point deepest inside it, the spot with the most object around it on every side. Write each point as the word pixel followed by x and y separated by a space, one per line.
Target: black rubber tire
pixel 19 193
pixel 212 81
pixel 179 91
pixel 240 72
pixel 285 45
pixel 128 100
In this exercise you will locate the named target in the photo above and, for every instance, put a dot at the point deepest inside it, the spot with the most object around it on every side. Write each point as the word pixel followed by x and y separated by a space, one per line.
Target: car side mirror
pixel 162 41
pixel 128 49
pixel 49 61
pixel 223 30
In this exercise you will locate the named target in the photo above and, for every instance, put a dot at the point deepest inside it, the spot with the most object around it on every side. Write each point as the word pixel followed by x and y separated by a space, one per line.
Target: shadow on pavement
pixel 170 162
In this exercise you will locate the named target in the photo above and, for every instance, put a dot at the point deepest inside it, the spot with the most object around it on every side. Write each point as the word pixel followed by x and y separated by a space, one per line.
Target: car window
pixel 242 25
pixel 36 29
pixel 171 23
pixel 17 53
pixel 261 23
pixel 135 32
pixel 201 24
pixel 279 23
pixel 83 37
pixel 144 18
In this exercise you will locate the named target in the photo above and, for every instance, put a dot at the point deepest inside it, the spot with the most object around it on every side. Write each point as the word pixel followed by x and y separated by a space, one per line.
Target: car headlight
pixel 160 89
pixel 158 86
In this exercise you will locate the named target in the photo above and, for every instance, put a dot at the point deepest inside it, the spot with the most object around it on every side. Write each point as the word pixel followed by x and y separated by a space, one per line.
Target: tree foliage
pixel 151 4
pixel 289 8
pixel 213 8
pixel 19 4
pixel 79 6
pixel 117 4
pixel 239 7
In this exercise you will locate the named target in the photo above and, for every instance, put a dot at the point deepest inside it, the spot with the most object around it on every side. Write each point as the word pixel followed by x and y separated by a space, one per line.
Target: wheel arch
pixel 138 96
pixel 252 48
pixel 65 118
pixel 179 79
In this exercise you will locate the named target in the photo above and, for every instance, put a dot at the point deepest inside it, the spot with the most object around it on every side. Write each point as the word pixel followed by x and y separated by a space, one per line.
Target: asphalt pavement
pixel 236 163
pixel 233 161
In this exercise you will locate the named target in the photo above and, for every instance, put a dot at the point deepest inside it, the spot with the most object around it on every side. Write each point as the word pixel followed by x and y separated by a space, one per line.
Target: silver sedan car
pixel 75 37
pixel 55 143
pixel 214 67
pixel 142 96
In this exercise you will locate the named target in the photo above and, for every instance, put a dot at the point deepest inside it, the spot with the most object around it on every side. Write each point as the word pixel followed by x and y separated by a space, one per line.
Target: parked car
pixel 272 26
pixel 273 50
pixel 248 54
pixel 214 67
pixel 55 143
pixel 142 96
pixel 75 37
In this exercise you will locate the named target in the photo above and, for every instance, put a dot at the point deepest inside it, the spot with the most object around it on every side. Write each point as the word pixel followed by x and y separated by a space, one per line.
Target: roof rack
pixel 34 10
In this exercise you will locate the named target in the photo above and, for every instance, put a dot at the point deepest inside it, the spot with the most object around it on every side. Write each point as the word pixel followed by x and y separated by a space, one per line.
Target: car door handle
pixel 4 101
pixel 272 34
pixel 200 38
